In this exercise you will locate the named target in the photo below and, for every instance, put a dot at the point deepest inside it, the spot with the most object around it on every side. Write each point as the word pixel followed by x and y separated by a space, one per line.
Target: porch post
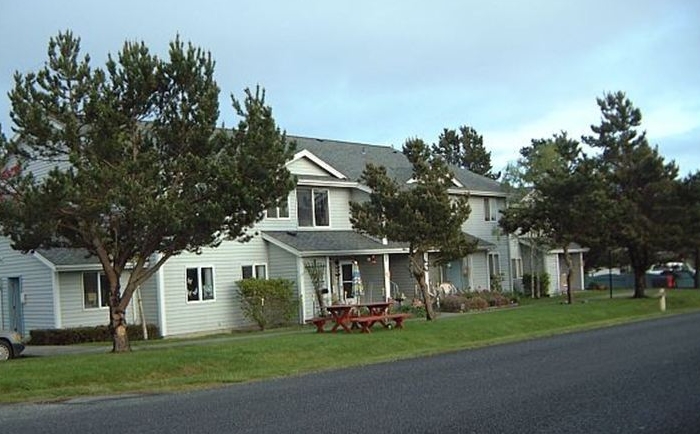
pixel 387 277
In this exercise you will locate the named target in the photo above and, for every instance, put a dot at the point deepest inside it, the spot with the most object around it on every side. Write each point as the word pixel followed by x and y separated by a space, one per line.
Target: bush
pixel 80 335
pixel 541 279
pixel 476 303
pixel 268 303
pixel 453 303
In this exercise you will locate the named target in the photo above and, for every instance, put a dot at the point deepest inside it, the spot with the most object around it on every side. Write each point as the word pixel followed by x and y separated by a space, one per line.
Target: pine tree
pixel 423 214
pixel 141 173
pixel 465 149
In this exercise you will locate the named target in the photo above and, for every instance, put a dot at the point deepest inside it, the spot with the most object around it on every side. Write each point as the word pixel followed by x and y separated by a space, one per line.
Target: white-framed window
pixel 490 210
pixel 281 211
pixel 517 265
pixel 494 264
pixel 312 207
pixel 200 283
pixel 255 271
pixel 95 290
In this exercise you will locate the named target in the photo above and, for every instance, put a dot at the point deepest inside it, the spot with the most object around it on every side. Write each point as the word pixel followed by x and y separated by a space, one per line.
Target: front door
pixel 15 295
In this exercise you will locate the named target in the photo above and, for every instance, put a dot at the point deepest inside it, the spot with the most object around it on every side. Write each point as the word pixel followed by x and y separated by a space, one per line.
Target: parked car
pixel 10 344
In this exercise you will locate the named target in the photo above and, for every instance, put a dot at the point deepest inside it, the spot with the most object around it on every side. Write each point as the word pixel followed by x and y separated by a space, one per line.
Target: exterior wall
pixel 73 311
pixel 283 265
pixel 304 166
pixel 551 267
pixel 480 271
pixel 149 300
pixel 338 210
pixel 488 230
pixel 400 275
pixel 37 289
pixel 221 313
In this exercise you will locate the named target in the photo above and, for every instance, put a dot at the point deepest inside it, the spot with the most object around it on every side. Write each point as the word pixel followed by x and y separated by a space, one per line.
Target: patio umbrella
pixel 357 288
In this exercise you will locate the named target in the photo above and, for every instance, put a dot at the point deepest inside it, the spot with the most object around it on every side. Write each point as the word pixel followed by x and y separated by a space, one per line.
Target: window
pixel 517 265
pixel 95 290
pixel 494 264
pixel 312 207
pixel 254 271
pixel 281 211
pixel 490 210
pixel 200 284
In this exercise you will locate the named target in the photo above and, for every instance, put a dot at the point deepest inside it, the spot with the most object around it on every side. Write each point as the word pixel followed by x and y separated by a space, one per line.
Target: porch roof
pixel 68 258
pixel 319 243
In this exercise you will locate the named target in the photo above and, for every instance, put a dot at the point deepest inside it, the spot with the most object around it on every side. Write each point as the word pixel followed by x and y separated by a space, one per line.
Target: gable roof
pixel 68 259
pixel 351 158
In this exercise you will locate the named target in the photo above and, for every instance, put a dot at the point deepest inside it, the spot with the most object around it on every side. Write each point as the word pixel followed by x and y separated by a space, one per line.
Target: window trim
pixel 313 191
pixel 101 304
pixel 200 292
pixel 494 259
pixel 254 267
pixel 490 210
pixel 277 208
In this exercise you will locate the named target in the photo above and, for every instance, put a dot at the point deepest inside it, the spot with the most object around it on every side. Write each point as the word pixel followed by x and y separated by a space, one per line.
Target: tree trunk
pixel 117 326
pixel 117 320
pixel 569 267
pixel 418 270
pixel 639 282
pixel 697 268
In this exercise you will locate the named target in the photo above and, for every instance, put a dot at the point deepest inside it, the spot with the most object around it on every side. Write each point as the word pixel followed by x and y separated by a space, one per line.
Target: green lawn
pixel 158 367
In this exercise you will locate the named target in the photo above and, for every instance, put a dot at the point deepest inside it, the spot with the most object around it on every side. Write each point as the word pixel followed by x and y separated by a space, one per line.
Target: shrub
pixel 476 303
pixel 80 335
pixel 541 279
pixel 453 303
pixel 268 303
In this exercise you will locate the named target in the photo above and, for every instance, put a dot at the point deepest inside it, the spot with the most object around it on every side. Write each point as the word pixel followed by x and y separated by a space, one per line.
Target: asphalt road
pixel 637 378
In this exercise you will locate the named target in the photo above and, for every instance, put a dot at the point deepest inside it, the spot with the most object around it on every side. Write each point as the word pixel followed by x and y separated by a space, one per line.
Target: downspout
pixel 387 277
pixel 55 292
pixel 300 285
pixel 160 292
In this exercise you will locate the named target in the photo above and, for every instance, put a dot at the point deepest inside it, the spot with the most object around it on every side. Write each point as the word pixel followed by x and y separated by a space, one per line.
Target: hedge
pixel 79 335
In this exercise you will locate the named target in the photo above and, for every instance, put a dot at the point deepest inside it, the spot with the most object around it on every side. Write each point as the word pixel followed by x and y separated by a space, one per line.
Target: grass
pixel 164 366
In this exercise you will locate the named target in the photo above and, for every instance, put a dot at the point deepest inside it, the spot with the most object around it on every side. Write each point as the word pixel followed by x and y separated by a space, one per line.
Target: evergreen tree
pixel 421 214
pixel 639 185
pixel 561 204
pixel 465 149
pixel 138 171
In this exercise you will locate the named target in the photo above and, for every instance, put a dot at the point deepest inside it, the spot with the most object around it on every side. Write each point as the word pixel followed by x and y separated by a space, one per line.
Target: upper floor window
pixel 490 209
pixel 281 211
pixel 95 290
pixel 494 264
pixel 200 283
pixel 312 207
pixel 258 271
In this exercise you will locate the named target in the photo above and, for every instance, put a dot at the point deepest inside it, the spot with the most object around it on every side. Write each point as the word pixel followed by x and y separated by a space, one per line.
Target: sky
pixel 380 72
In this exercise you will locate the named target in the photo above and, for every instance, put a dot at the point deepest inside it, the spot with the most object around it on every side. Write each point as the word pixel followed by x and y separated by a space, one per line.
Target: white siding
pixel 480 271
pixel 304 166
pixel 223 312
pixel 283 265
pixel 401 276
pixel 73 311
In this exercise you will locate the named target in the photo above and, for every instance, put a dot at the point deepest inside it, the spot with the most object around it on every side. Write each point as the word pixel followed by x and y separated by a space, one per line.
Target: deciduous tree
pixel 136 169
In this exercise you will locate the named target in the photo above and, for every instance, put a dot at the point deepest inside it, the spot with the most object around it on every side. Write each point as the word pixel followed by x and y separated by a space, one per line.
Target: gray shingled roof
pixel 351 159
pixel 330 241
pixel 65 256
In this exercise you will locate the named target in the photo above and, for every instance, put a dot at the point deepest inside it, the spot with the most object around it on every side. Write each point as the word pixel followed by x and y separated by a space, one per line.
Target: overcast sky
pixel 380 72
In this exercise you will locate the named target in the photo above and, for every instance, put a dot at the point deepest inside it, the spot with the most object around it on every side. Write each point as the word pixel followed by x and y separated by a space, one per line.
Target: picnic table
pixel 360 315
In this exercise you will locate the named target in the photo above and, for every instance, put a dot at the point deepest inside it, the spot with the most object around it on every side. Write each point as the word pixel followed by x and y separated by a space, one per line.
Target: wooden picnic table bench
pixel 319 322
pixel 366 322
